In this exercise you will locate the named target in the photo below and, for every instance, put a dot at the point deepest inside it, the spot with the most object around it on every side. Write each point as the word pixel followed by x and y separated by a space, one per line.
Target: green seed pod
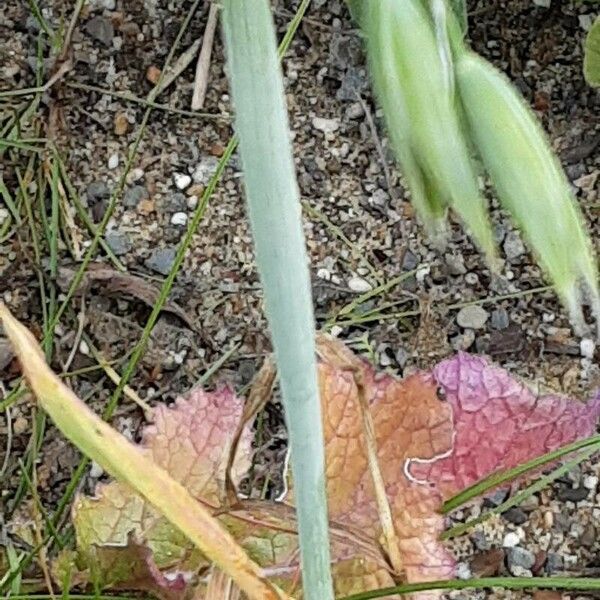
pixel 413 79
pixel 529 179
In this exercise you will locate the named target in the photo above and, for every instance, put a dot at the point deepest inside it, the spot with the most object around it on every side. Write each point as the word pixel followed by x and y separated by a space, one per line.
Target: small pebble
pixel 324 274
pixel 359 285
pixel 500 319
pixel 511 539
pixel 519 557
pixel 455 263
pixel 569 494
pixel 179 218
pixel 182 181
pixel 97 190
pixel 590 482
pixel 113 161
pixel 587 348
pixel 161 260
pixel 121 124
pixel 118 242
pixel 134 195
pixel 471 279
pixel 515 515
pixel 513 246
pixel 101 29
pixel 554 563
pixel 326 125
pixel 192 202
pixel 472 317
pixel 355 111
pixel 96 471
pixel 20 425
pixel 463 571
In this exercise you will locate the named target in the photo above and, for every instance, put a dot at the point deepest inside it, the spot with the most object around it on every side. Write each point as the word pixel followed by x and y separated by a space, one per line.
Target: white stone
pixel 326 125
pixel 511 539
pixel 113 161
pixel 182 180
pixel 84 348
pixel 3 214
pixel 587 348
pixel 179 218
pixel 135 175
pixel 590 482
pixel 96 471
pixel 324 274
pixel 335 330
pixel 192 202
pixel 359 285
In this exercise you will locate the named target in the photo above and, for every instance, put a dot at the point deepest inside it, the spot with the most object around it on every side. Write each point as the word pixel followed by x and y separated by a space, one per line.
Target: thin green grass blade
pixel 496 479
pixel 538 485
pixel 275 214
pixel 507 583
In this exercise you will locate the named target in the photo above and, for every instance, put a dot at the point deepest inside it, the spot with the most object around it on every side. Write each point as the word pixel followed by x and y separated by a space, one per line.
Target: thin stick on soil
pixel 203 65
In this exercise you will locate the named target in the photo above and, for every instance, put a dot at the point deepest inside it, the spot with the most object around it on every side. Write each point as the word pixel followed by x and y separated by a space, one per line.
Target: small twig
pixel 378 146
pixel 78 334
pixel 69 34
pixel 172 73
pixel 203 65
pixel 129 97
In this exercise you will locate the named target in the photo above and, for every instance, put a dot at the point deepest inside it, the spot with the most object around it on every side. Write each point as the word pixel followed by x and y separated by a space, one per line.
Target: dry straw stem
pixel 128 463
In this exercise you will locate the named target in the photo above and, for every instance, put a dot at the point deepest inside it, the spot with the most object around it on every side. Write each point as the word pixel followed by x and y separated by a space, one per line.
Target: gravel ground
pixel 361 232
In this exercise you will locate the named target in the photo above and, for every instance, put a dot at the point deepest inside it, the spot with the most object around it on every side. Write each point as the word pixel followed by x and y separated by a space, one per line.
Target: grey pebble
pixel 97 190
pixel 354 81
pixel 410 261
pixel 6 354
pixel 402 356
pixel 455 263
pixel 496 498
pixel 500 318
pixel 472 317
pixel 355 111
pixel 513 246
pixel 569 494
pixel 176 202
pixel 519 557
pixel 134 195
pixel 161 260
pixel 554 563
pixel 480 540
pixel 515 515
pixel 101 29
pixel 118 242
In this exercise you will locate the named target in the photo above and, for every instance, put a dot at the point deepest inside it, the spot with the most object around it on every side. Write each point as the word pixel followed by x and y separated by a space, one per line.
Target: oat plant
pixel 445 106
pixel 275 215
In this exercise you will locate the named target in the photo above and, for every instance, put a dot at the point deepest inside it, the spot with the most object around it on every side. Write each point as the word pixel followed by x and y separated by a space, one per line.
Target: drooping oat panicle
pixel 414 82
pixel 530 181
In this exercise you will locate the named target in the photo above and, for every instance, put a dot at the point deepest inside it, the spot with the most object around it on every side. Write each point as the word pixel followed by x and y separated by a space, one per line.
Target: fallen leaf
pixel 192 441
pixel 499 423
pixel 436 432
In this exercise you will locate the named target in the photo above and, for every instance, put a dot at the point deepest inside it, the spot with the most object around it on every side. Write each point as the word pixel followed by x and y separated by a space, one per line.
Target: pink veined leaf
pixel 436 433
pixel 499 423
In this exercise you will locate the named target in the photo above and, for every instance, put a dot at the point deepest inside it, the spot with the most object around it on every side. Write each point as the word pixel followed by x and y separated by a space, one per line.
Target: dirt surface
pixel 360 228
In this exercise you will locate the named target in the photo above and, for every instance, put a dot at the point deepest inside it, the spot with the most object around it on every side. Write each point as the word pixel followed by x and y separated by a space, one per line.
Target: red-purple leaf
pixel 499 423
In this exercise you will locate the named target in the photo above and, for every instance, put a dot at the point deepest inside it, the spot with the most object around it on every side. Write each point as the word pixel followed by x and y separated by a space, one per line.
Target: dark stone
pixel 515 515
pixel 101 29
pixel 569 494
pixel 554 563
